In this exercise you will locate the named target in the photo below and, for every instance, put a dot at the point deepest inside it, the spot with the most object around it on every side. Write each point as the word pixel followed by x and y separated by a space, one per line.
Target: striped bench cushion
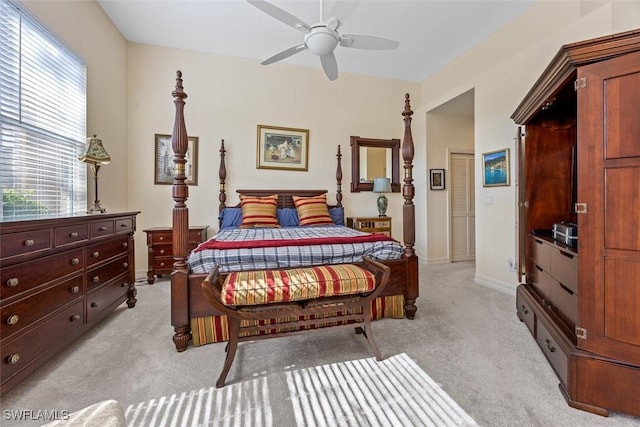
pixel 296 284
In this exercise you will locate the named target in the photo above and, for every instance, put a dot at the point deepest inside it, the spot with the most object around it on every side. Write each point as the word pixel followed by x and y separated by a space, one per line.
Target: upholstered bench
pixel 300 299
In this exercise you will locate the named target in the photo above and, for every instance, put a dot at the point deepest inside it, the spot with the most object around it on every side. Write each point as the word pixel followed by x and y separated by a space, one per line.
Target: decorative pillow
pixel 288 217
pixel 230 218
pixel 312 210
pixel 259 211
pixel 337 215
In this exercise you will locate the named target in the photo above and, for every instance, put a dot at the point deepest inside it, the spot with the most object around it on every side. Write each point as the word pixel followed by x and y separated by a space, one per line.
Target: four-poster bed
pixel 194 318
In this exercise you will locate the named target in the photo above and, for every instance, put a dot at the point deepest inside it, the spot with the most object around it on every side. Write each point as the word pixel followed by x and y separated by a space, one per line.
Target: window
pixel 43 119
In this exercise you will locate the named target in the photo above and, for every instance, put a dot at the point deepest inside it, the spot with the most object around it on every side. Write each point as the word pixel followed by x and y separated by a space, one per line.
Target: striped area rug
pixel 394 392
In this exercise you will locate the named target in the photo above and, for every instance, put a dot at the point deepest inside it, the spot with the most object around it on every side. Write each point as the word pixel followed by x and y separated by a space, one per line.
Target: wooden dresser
pixel 160 247
pixel 59 277
pixel 579 161
pixel 374 224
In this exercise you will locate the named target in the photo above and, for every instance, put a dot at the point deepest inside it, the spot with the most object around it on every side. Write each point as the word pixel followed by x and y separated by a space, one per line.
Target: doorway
pixel 462 207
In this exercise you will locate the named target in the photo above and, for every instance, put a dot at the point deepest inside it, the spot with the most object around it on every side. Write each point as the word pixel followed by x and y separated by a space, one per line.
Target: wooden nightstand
pixel 374 224
pixel 161 248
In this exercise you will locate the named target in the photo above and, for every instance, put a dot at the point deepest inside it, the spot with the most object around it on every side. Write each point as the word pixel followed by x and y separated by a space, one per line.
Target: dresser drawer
pixel 18 354
pixel 17 316
pixel 27 275
pixel 102 251
pixel 552 351
pixel 101 275
pixel 540 253
pixel 124 225
pixel 105 299
pixel 102 228
pixel 72 234
pixel 564 267
pixel 13 244
pixel 524 310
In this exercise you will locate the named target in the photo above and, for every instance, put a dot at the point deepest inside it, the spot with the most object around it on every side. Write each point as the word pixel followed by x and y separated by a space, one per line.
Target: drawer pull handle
pixel 161 251
pixel 125 264
pixel 12 282
pixel 29 242
pixel 74 318
pixel 103 228
pixel 567 254
pixel 550 347
pixel 75 289
pixel 13 319
pixel 569 291
pixel 123 225
pixel 125 245
pixel 13 359
pixel 94 304
pixel 161 237
pixel 124 285
pixel 96 279
pixel 162 264
pixel 75 261
pixel 73 234
pixel 95 254
pixel 524 309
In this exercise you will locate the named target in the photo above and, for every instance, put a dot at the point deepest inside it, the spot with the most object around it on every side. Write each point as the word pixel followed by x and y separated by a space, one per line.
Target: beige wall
pixel 227 98
pixel 87 31
pixel 501 70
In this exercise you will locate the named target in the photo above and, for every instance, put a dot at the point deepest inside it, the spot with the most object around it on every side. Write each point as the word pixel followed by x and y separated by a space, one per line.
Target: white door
pixel 463 211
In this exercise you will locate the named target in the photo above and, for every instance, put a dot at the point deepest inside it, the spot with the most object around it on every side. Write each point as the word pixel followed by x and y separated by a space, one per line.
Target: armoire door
pixel 609 222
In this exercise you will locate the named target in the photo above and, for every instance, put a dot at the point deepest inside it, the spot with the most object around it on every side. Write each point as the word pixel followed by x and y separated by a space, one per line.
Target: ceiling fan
pixel 322 38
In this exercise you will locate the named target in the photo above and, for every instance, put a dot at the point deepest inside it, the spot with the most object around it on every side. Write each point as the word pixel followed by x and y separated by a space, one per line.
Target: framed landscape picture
pixel 495 168
pixel 282 148
pixel 164 167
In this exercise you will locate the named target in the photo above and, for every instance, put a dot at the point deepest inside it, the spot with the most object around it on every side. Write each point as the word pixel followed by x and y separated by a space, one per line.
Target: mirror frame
pixel 356 143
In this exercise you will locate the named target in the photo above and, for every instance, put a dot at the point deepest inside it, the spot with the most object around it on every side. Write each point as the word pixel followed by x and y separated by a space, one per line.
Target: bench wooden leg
pixel 232 346
pixel 368 333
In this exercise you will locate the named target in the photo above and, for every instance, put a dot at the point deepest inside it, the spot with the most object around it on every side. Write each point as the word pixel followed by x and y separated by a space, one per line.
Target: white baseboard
pixel 507 288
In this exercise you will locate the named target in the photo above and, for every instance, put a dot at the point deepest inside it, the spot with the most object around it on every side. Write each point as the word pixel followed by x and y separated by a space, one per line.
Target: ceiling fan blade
pixel 362 41
pixel 281 15
pixel 330 66
pixel 284 54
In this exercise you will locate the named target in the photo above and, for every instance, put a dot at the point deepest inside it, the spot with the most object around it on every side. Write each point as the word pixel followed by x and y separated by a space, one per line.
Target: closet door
pixel 463 212
pixel 609 227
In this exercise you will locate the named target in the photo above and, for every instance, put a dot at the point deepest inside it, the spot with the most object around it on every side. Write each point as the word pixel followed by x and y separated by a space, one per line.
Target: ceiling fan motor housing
pixel 321 40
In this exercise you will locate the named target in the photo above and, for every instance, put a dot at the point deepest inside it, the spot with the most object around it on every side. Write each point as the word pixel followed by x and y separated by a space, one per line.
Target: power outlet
pixel 512 265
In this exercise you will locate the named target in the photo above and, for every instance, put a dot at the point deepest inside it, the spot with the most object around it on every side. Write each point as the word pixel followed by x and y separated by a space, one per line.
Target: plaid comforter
pixel 289 256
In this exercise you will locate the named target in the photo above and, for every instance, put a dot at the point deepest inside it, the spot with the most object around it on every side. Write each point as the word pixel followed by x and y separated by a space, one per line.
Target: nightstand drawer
pixel 161 237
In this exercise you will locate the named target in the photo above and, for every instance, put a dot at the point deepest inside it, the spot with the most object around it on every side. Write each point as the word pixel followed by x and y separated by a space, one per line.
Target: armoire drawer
pixel 540 253
pixel 22 277
pixel 541 280
pixel 549 344
pixel 564 267
pixel 18 354
pixel 525 313
pixel 565 303
pixel 19 315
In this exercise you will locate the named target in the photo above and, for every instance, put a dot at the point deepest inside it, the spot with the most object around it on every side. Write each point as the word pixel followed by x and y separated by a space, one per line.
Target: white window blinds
pixel 43 119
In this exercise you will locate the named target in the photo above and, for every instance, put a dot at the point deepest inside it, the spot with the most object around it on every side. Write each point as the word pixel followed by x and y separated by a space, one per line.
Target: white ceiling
pixel 431 32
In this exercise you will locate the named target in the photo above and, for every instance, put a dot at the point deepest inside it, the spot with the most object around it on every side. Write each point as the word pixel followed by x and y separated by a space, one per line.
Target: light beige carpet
pixel 393 392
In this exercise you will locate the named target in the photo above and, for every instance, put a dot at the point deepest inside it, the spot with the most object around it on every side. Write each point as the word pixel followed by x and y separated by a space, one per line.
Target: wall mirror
pixel 374 158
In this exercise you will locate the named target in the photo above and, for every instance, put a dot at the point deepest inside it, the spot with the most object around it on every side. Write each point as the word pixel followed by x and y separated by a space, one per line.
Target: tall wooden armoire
pixel 579 161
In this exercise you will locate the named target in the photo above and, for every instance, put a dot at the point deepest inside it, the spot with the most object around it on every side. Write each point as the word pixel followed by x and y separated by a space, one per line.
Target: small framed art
pixel 495 168
pixel 437 179
pixel 283 148
pixel 164 167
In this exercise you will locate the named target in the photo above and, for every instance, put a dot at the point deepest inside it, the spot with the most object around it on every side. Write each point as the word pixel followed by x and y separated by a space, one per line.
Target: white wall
pixel 502 69
pixel 227 98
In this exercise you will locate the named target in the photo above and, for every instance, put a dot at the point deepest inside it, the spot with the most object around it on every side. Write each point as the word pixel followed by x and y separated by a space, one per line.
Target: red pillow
pixel 313 210
pixel 259 211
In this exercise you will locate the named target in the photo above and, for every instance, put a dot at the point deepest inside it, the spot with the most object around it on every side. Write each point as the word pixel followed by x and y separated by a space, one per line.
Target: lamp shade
pixel 382 185
pixel 95 152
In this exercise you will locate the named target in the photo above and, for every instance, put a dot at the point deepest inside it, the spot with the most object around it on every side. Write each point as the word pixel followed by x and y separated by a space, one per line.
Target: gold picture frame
pixel 164 169
pixel 282 148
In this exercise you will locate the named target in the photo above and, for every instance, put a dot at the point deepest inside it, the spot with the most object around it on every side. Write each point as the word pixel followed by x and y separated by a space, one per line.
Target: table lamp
pixel 382 185
pixel 95 155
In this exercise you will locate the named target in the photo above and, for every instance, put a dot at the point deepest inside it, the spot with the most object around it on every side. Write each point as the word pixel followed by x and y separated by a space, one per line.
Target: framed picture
pixel 495 168
pixel 437 179
pixel 283 148
pixel 164 167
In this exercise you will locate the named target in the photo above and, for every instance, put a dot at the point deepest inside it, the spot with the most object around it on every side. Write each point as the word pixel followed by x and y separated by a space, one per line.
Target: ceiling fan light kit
pixel 322 38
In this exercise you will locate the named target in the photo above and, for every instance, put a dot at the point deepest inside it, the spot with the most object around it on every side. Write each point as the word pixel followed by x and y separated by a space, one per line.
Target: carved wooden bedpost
pixel 339 179
pixel 179 276
pixel 222 174
pixel 408 213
